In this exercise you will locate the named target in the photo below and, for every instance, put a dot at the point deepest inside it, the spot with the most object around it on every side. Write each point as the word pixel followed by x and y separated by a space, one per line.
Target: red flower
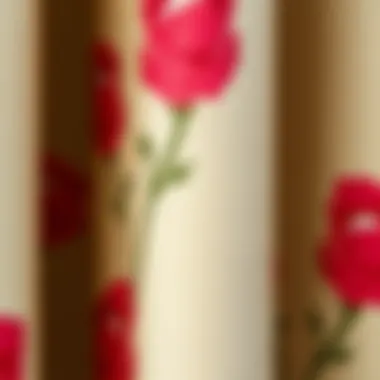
pixel 12 340
pixel 108 100
pixel 115 320
pixel 350 257
pixel 63 202
pixel 190 53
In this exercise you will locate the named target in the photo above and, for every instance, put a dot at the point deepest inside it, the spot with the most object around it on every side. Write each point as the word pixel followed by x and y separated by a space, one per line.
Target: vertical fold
pixel 113 98
pixel 206 298
pixel 19 264
pixel 329 188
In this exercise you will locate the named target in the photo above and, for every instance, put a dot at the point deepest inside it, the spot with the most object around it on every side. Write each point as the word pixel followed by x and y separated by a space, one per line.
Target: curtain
pixel 328 126
pixel 189 189
pixel 18 135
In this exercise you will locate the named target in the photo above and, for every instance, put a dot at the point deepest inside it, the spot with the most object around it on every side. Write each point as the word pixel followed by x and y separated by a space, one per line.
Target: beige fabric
pixel 329 126
pixel 19 54
pixel 207 299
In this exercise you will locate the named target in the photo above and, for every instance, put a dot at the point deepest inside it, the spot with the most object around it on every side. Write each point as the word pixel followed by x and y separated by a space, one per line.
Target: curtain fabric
pixel 19 48
pixel 189 189
pixel 328 121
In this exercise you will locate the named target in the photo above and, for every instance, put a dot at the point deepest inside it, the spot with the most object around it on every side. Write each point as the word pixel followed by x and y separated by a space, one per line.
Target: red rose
pixel 108 100
pixel 190 53
pixel 12 340
pixel 115 320
pixel 63 202
pixel 350 257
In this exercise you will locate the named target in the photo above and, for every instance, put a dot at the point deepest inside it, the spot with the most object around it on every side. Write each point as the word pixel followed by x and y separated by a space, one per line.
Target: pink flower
pixel 63 202
pixel 114 325
pixel 12 341
pixel 350 256
pixel 108 100
pixel 190 53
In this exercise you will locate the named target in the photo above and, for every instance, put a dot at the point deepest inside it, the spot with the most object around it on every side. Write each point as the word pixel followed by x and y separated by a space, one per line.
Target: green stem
pixel 156 182
pixel 323 356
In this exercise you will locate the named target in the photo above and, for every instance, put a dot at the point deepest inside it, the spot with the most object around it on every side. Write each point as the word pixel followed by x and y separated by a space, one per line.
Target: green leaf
pixel 177 174
pixel 314 322
pixel 144 146
pixel 339 354
pixel 173 175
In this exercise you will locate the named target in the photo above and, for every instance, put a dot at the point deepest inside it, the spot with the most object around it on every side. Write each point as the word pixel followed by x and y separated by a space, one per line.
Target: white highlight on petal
pixel 364 222
pixel 173 6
